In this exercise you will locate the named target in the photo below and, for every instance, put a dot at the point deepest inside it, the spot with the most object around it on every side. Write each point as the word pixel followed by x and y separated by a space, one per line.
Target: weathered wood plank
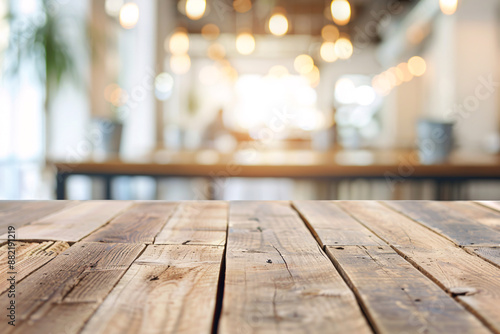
pixel 139 224
pixel 473 281
pixel 490 254
pixel 476 213
pixel 279 280
pixel 495 205
pixel 196 223
pixel 463 230
pixel 468 230
pixel 73 223
pixel 397 297
pixel 334 227
pixel 63 294
pixel 19 213
pixel 169 289
pixel 28 258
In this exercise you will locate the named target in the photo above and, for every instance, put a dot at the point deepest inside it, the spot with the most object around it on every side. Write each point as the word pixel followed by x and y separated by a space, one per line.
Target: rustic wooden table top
pixel 250 267
pixel 292 163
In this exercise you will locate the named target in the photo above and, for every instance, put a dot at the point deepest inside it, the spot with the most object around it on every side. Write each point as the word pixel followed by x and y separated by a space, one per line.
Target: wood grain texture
pixel 277 277
pixel 454 225
pixel 196 223
pixel 473 281
pixel 139 224
pixel 397 297
pixel 169 289
pixel 29 257
pixel 334 227
pixel 279 280
pixel 190 237
pixel 73 223
pixel 62 295
pixel 19 213
pixel 490 254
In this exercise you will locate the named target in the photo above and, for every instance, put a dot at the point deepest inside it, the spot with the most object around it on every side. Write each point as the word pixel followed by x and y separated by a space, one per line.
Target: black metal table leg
pixel 107 186
pixel 61 185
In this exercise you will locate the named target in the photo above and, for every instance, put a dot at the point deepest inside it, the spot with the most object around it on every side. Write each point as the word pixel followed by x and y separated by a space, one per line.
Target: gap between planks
pixel 473 229
pixel 467 298
pixel 66 304
pixel 184 213
pixel 279 279
pixel 352 236
pixel 220 286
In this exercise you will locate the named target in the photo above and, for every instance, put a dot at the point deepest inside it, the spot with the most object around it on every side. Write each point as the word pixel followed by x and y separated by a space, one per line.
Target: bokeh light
pixel 278 24
pixel 330 33
pixel 245 43
pixel 343 48
pixel 178 43
pixel 129 15
pixel 417 66
pixel 407 76
pixel 230 72
pixel 381 85
pixel 242 6
pixel 398 75
pixel 313 76
pixel 114 94
pixel 327 52
pixel 303 64
pixel 109 90
pixel 341 11
pixel 210 31
pixel 390 77
pixel 164 84
pixel 195 9
pixel 448 7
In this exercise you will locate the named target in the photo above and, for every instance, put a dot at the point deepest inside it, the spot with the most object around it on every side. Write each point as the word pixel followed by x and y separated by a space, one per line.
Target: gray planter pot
pixel 435 141
pixel 107 136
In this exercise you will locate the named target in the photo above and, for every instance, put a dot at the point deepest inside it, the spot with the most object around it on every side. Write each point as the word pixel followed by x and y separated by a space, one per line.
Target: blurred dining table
pixel 392 165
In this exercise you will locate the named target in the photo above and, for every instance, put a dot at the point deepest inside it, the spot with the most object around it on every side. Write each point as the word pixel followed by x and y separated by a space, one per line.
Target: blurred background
pixel 249 99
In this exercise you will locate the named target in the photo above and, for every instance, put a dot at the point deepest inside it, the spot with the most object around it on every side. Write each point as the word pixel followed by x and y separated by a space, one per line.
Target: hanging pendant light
pixel 341 11
pixel 195 9
pixel 278 23
pixel 448 7
pixel 129 15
